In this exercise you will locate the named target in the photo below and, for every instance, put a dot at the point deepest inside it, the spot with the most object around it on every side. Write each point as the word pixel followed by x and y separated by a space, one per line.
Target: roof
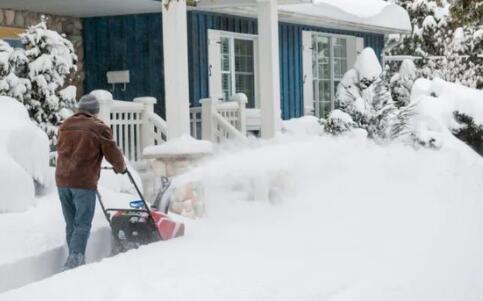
pixel 368 15
pixel 363 15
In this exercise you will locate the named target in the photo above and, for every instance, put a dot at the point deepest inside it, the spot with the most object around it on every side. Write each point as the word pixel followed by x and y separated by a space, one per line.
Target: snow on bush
pixel 24 154
pixel 437 101
pixel 365 97
pixel 36 76
pixel 368 67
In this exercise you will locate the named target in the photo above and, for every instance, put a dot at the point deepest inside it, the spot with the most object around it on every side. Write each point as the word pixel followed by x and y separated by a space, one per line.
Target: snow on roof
pixel 369 15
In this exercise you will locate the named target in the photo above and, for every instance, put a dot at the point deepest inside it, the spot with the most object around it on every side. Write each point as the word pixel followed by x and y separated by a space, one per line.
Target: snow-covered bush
pixel 446 39
pixel 338 122
pixel 24 157
pixel 434 123
pixel 364 96
pixel 36 76
pixel 402 82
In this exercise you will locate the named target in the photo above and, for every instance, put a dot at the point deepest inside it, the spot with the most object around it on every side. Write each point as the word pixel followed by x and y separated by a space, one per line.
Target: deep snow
pixel 347 220
pixel 24 153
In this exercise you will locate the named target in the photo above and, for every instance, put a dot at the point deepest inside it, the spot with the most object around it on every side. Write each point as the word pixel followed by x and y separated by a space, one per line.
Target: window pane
pixel 243 55
pixel 226 85
pixel 324 109
pixel 244 70
pixel 245 84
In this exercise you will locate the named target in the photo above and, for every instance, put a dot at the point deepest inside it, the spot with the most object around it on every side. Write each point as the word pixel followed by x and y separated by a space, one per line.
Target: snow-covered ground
pixel 346 220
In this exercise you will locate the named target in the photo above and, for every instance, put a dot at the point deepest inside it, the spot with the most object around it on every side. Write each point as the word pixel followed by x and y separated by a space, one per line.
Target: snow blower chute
pixel 138 225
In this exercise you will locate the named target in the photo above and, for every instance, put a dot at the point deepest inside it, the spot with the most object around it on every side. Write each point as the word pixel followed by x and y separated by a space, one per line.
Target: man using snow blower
pixel 83 142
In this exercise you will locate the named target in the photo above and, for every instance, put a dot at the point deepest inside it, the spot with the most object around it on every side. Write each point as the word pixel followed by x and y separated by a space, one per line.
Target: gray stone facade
pixel 70 26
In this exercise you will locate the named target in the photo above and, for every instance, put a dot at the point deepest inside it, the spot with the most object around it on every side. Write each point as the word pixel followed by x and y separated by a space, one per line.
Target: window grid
pixel 237 67
pixel 329 63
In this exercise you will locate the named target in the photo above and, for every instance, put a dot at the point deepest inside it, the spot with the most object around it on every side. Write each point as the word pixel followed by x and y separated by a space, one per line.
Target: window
pixel 326 60
pixel 235 54
pixel 329 61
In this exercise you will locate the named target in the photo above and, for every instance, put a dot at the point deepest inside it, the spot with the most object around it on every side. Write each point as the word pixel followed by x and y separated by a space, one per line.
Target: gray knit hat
pixel 88 103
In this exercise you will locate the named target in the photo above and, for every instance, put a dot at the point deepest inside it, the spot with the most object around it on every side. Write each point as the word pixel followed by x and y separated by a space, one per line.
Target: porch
pixel 195 61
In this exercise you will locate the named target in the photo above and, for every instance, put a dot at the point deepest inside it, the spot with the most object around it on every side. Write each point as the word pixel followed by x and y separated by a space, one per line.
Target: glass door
pixel 329 64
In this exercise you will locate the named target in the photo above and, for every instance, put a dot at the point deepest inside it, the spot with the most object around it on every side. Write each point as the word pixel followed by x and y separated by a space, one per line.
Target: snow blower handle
pixel 146 206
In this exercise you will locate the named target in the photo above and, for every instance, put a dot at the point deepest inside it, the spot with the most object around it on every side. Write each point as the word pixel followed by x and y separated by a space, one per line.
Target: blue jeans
pixel 78 206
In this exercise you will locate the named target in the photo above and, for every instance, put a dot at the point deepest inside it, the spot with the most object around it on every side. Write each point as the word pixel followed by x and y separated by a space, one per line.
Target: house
pixel 286 57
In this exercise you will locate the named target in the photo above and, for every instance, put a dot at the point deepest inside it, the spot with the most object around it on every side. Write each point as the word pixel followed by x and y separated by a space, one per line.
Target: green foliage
pixel 469 132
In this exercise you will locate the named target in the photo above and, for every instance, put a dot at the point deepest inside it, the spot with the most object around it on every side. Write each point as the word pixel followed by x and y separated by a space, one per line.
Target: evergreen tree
pixel 426 40
pixel 402 82
pixel 464 44
pixel 365 100
pixel 469 132
pixel 36 75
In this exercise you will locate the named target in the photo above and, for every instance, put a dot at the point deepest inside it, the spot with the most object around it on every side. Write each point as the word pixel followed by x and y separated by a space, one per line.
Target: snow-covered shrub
pixel 365 97
pixel 446 39
pixel 402 82
pixel 36 76
pixel 24 157
pixel 435 121
pixel 338 123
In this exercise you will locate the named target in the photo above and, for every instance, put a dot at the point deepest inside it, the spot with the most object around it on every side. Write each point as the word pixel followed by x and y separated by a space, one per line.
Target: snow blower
pixel 140 224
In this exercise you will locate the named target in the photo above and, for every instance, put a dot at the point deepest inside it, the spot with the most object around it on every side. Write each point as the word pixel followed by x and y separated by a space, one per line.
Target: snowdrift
pixel 24 157
pixel 345 219
pixel 436 101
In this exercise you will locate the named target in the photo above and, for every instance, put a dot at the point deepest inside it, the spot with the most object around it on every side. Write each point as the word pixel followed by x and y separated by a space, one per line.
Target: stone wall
pixel 70 26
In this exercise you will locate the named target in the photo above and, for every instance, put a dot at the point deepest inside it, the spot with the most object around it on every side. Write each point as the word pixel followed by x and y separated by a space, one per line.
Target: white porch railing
pixel 221 121
pixel 134 124
pixel 234 112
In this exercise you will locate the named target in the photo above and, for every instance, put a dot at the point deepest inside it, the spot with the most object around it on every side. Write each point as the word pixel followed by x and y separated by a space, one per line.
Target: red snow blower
pixel 138 225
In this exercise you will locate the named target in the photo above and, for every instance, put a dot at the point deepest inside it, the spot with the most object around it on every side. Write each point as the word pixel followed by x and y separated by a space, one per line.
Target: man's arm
pixel 110 150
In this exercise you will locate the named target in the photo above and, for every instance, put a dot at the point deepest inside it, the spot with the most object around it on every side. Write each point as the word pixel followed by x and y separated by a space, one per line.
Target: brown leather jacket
pixel 83 141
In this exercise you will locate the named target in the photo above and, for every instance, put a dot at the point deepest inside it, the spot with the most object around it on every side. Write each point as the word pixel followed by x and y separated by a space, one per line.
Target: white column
pixel 269 67
pixel 175 45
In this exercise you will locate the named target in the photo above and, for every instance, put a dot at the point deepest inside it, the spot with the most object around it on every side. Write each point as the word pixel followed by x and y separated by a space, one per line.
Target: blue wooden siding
pixel 291 81
pixel 135 42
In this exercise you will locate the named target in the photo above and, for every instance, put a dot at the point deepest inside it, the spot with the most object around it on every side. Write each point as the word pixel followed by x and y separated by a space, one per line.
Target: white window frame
pixel 214 64
pixel 353 47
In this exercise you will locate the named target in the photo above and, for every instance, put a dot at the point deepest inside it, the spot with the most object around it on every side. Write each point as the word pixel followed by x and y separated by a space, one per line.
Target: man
pixel 83 141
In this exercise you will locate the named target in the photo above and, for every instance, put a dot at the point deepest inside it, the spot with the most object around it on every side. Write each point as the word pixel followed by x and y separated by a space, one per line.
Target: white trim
pixel 299 19
pixel 216 67
pixel 351 42
pixel 307 61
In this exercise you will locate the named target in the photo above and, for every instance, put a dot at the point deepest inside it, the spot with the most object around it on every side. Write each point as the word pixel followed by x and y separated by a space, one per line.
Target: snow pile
pixel 304 126
pixel 184 145
pixel 346 220
pixel 437 100
pixel 367 65
pixel 369 14
pixel 24 153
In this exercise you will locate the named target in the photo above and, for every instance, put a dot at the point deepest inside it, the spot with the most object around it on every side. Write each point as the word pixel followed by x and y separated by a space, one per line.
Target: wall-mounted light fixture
pixel 118 77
